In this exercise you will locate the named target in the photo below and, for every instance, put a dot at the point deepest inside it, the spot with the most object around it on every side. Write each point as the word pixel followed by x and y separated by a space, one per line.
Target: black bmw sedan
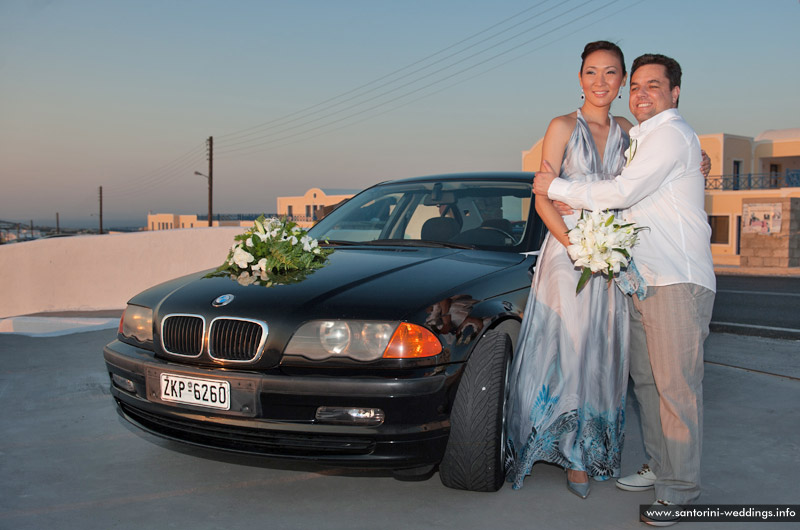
pixel 394 354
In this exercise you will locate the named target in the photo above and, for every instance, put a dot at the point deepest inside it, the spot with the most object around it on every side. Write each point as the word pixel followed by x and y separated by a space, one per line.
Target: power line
pixel 169 171
pixel 261 144
pixel 483 72
pixel 254 142
pixel 246 132
pixel 253 139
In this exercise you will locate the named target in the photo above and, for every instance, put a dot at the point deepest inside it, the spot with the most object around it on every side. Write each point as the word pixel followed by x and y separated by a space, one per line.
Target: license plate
pixel 195 391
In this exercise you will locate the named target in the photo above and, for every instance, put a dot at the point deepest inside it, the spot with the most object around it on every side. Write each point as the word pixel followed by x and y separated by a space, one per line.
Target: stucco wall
pixel 532 159
pixel 102 272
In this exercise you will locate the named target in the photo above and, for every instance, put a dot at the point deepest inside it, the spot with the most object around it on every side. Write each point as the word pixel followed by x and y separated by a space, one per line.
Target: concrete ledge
pixel 54 326
pixel 87 273
pixel 735 270
pixel 90 273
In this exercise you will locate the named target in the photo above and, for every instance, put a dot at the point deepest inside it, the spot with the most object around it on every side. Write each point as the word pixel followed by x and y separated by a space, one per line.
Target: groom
pixel 663 189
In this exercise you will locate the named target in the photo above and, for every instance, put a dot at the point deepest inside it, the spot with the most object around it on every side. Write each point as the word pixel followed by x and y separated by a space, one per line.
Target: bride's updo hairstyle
pixel 603 45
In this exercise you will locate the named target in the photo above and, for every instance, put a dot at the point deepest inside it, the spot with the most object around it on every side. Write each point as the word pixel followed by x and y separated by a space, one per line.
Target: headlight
pixel 334 336
pixel 137 323
pixel 362 340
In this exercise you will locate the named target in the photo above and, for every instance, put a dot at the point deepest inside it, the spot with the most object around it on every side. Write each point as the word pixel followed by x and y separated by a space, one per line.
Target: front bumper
pixel 274 415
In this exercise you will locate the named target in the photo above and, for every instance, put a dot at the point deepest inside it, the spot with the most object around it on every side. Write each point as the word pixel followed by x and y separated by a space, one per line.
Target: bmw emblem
pixel 220 301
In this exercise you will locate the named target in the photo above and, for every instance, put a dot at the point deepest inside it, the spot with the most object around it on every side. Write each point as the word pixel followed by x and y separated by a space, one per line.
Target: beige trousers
pixel 668 329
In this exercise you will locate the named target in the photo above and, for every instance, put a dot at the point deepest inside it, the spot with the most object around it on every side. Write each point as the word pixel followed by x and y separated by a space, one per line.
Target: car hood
pixel 374 283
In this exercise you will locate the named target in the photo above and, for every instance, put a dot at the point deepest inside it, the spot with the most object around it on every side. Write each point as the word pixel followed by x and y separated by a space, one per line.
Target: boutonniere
pixel 630 152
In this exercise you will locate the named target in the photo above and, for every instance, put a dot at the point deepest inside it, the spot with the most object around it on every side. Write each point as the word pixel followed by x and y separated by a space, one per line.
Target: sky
pixel 124 94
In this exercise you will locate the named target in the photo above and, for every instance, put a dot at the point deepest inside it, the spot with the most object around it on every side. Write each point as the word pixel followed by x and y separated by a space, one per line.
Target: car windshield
pixel 484 214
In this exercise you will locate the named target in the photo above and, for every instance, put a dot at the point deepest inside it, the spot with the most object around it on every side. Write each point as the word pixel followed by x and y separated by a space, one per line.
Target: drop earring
pixel 583 96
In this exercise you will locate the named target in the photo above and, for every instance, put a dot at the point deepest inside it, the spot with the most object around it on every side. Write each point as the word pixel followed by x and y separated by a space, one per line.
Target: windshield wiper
pixel 338 243
pixel 417 243
pixel 394 243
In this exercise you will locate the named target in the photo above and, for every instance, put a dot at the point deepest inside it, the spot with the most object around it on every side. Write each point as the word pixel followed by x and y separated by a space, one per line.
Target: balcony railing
pixel 234 216
pixel 754 181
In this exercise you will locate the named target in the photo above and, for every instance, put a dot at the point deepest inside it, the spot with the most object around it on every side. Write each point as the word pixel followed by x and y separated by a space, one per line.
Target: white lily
pixel 600 243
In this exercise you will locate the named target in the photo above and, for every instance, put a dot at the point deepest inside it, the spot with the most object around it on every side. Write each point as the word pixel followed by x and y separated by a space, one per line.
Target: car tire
pixel 474 457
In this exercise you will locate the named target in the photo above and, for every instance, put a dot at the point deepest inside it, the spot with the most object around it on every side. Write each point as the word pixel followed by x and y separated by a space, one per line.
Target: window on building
pixel 308 210
pixel 289 210
pixel 720 228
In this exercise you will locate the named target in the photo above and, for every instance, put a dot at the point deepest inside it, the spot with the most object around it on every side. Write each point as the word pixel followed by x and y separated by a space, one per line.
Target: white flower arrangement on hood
pixel 271 251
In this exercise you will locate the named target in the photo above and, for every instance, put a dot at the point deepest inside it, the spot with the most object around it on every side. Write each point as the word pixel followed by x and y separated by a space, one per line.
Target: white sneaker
pixel 661 513
pixel 640 481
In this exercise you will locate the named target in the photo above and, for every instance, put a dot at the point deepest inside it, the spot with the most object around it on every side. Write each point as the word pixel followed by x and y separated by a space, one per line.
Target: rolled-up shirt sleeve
pixel 655 159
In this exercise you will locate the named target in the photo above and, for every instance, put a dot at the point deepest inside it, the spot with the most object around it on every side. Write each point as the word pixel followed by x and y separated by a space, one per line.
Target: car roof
pixel 520 176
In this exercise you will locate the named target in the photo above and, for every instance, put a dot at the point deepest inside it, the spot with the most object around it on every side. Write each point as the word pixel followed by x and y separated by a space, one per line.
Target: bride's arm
pixel 553 145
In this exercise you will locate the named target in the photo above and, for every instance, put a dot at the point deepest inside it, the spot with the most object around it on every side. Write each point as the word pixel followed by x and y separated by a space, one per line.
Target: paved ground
pixel 68 462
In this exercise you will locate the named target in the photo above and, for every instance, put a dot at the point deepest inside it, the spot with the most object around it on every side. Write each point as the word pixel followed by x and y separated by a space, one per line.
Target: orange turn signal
pixel 121 320
pixel 411 341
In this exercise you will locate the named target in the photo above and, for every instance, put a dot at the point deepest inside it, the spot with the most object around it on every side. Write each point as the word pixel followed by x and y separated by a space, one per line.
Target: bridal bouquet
pixel 272 252
pixel 598 243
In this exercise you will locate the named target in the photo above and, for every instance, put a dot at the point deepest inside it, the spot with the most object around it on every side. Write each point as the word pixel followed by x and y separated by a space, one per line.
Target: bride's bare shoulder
pixel 562 125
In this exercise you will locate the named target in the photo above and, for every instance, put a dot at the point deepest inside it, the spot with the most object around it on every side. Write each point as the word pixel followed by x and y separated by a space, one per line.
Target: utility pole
pixel 58 225
pixel 210 177
pixel 101 209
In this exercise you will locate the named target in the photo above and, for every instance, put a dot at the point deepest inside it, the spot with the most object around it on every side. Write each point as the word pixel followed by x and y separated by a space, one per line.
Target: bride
pixel 570 372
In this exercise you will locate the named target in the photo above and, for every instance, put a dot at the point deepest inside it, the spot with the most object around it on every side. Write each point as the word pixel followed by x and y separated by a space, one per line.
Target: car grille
pixel 236 339
pixel 183 334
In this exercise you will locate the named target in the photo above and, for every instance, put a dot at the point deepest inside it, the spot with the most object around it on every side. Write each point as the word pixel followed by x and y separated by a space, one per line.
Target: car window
pixel 485 214
pixel 365 220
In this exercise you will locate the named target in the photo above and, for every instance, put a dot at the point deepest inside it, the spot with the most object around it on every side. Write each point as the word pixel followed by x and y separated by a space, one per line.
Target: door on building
pixel 737 169
pixel 774 175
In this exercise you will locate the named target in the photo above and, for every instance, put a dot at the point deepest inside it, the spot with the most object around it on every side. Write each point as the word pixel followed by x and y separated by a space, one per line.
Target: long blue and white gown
pixel 570 370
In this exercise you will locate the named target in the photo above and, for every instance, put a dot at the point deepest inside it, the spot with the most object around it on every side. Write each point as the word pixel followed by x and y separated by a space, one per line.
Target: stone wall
pixel 767 247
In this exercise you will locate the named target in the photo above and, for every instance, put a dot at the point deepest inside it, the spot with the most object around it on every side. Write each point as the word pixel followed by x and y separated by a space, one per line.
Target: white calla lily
pixel 600 243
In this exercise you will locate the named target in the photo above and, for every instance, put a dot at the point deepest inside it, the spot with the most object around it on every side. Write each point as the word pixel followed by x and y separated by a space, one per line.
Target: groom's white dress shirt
pixel 664 190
